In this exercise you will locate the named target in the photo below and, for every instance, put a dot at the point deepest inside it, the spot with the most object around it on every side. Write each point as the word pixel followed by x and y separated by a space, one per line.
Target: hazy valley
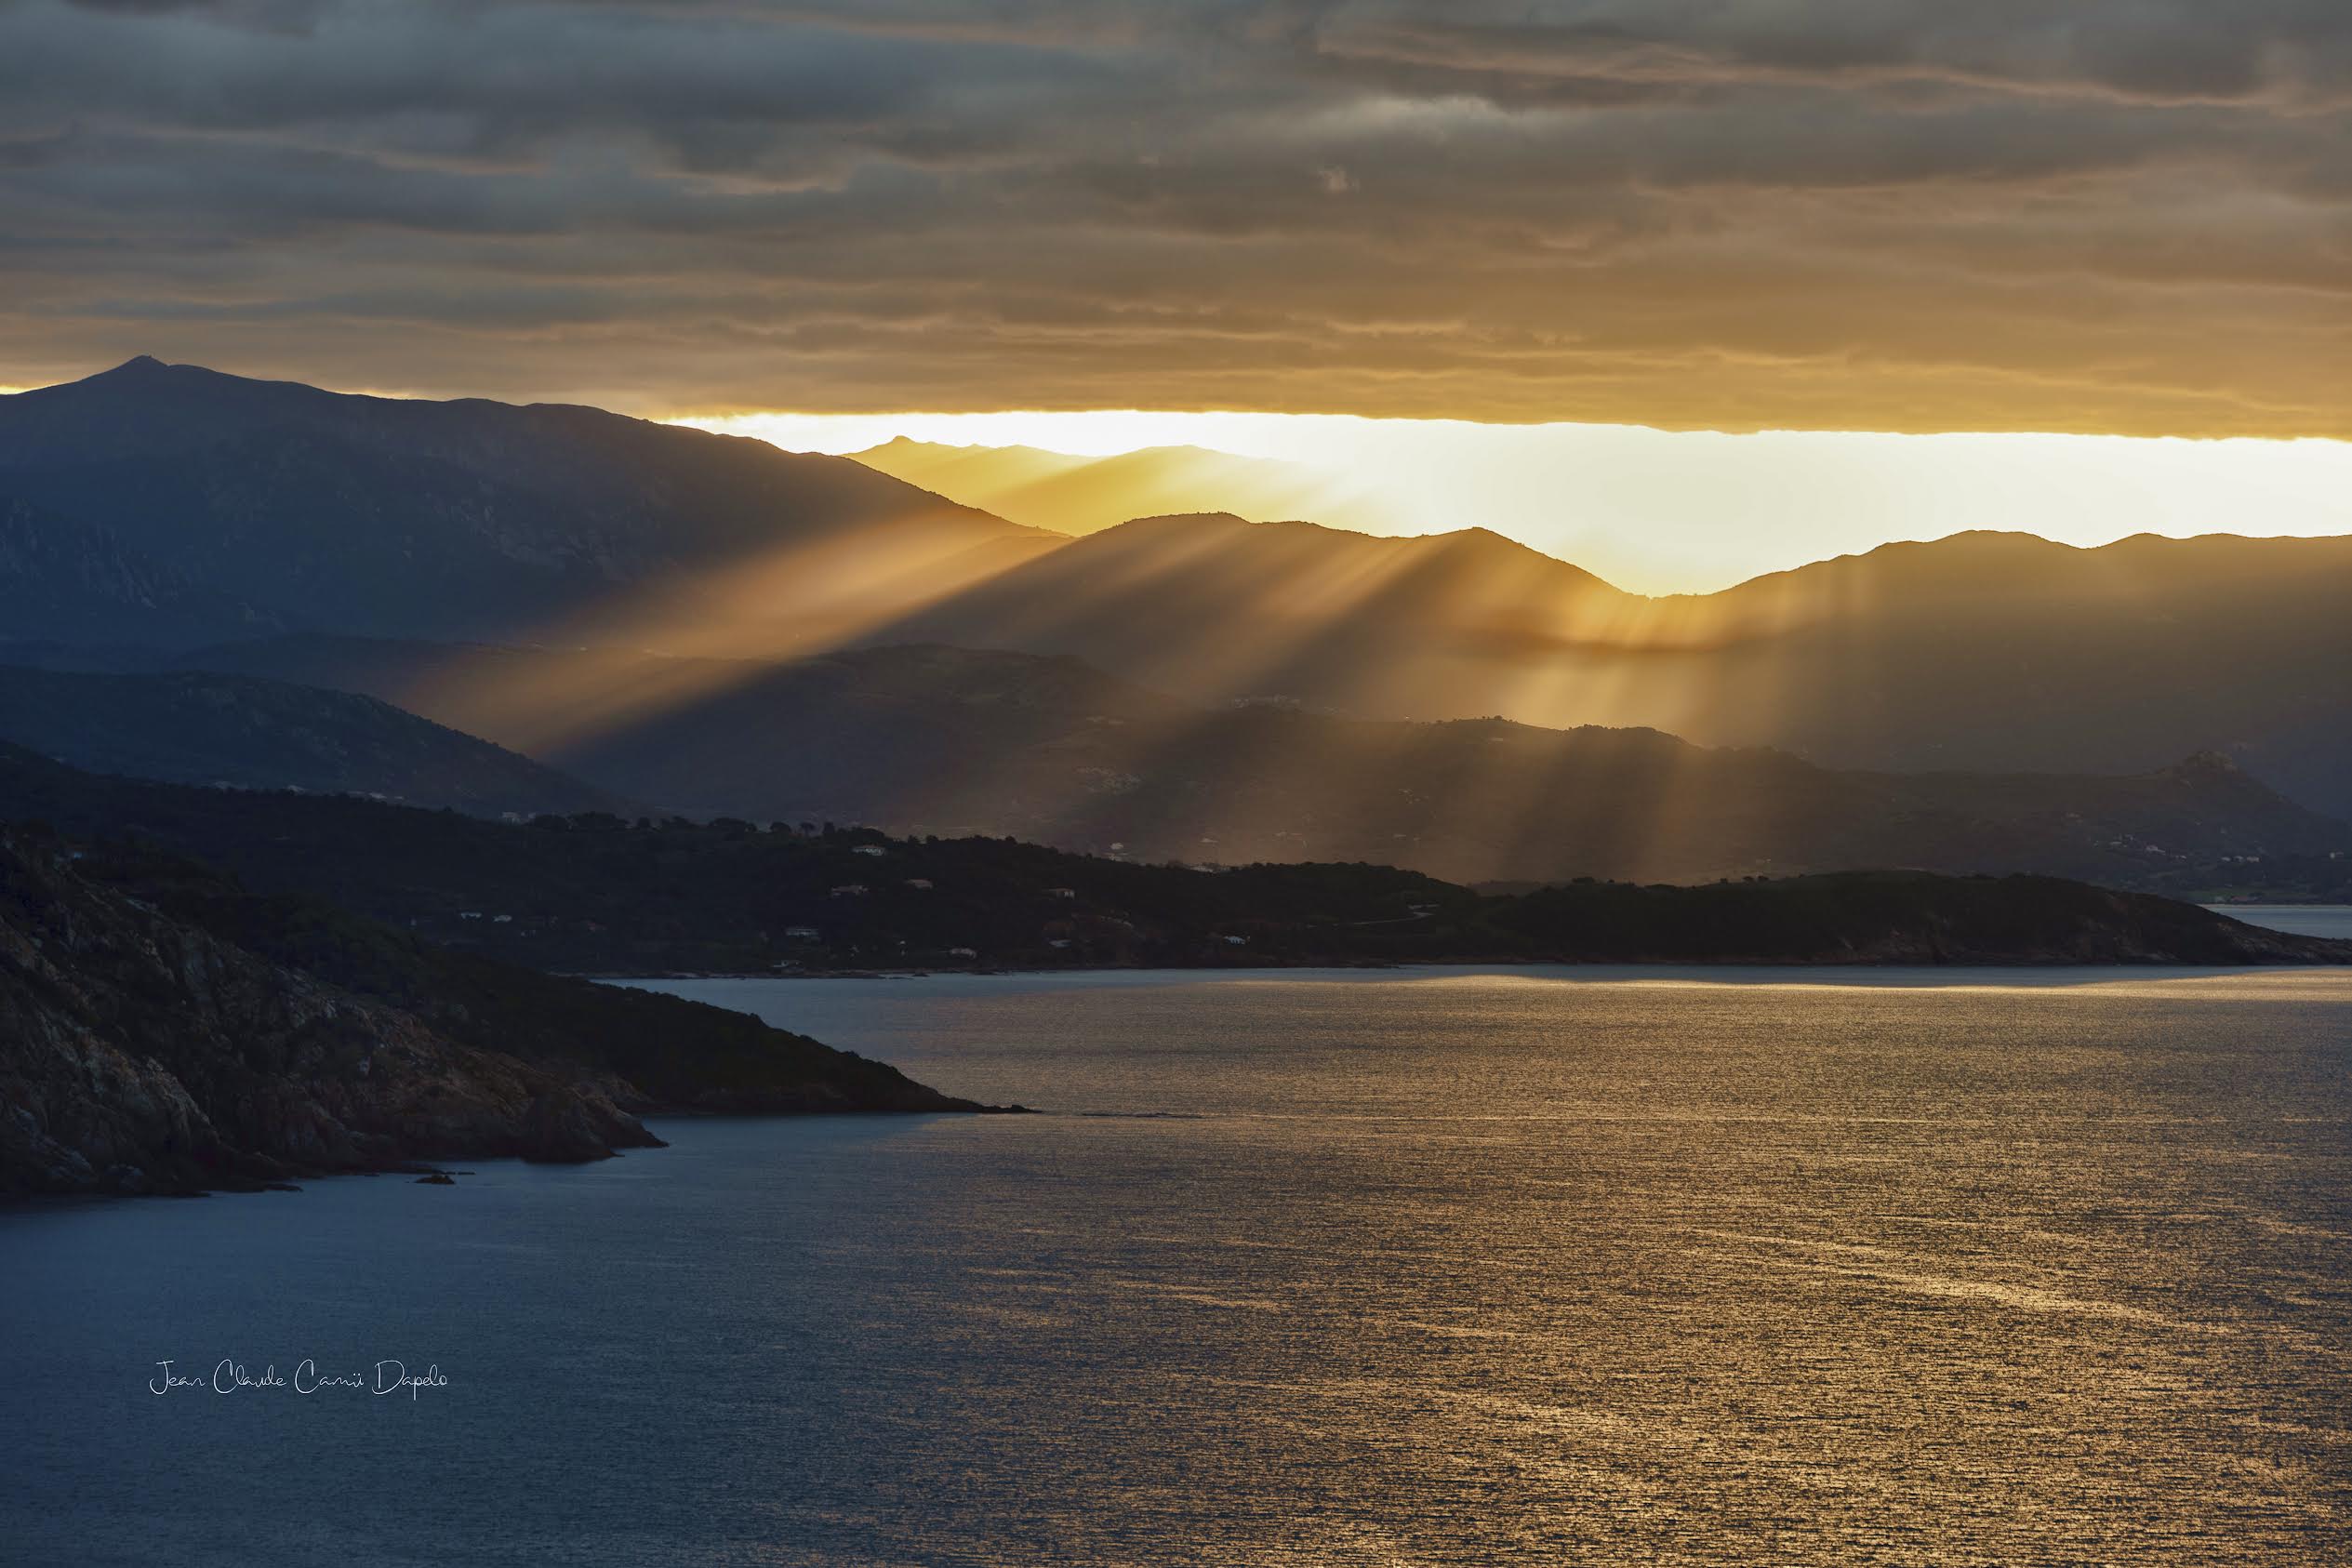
pixel 930 739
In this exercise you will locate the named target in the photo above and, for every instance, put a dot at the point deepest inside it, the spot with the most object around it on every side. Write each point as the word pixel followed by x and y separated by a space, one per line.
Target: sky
pixel 2103 216
pixel 1658 511
pixel 2113 216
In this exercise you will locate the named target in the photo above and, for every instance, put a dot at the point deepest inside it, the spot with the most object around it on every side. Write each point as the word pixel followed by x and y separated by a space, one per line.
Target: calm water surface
pixel 1417 1267
pixel 2302 919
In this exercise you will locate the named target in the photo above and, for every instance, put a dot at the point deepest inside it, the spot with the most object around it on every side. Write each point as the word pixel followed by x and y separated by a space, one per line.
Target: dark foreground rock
pixel 160 1030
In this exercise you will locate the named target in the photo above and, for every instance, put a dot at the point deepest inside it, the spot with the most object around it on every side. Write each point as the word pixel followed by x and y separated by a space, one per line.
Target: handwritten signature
pixel 229 1376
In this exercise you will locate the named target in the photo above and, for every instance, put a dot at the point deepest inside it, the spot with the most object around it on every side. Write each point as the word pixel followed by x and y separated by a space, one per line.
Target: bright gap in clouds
pixel 1665 512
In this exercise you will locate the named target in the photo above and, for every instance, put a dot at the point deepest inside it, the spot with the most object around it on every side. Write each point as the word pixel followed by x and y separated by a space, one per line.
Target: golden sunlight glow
pixel 664 647
pixel 1398 615
pixel 1654 512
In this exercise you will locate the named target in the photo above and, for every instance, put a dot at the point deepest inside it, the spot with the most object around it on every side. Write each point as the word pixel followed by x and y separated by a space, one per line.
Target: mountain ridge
pixel 200 727
pixel 461 517
pixel 597 894
pixel 1982 651
pixel 162 1029
pixel 1078 495
pixel 1045 748
pixel 1985 651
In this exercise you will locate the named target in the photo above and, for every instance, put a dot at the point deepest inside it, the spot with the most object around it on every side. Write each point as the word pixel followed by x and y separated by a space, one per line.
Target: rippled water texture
pixel 1394 1268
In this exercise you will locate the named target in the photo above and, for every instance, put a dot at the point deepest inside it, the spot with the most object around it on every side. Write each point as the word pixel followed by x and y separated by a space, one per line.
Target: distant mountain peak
pixel 145 376
pixel 470 517
pixel 1480 538
pixel 139 367
pixel 1177 520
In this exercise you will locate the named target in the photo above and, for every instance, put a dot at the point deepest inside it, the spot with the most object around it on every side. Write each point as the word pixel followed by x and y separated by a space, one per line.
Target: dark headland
pixel 596 894
pixel 342 994
pixel 163 1030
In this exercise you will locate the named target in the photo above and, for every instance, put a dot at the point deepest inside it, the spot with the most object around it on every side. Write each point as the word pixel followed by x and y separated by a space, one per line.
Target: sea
pixel 1415 1267
pixel 2302 919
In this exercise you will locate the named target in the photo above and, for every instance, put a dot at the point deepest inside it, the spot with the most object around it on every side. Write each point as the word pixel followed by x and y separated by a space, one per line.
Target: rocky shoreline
pixel 163 1032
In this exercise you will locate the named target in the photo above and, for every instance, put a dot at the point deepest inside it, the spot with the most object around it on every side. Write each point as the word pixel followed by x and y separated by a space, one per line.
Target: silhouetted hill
pixel 597 894
pixel 723 735
pixel 1889 917
pixel 1084 495
pixel 946 741
pixel 1981 651
pixel 2007 651
pixel 164 1030
pixel 1211 607
pixel 266 503
pixel 464 518
pixel 201 728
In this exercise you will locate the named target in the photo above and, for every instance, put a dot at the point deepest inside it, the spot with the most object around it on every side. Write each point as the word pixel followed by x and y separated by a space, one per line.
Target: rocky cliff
pixel 162 1032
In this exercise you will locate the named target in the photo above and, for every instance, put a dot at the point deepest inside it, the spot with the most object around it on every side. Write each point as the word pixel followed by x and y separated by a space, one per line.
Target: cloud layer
pixel 2107 215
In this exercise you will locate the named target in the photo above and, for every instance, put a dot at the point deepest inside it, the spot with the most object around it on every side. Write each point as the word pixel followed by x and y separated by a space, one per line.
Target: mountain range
pixel 192 727
pixel 174 499
pixel 1980 651
pixel 933 740
pixel 174 507
pixel 1084 495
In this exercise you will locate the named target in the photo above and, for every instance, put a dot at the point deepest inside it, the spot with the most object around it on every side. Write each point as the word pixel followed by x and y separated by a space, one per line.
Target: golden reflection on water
pixel 1306 1270
pixel 1453 1268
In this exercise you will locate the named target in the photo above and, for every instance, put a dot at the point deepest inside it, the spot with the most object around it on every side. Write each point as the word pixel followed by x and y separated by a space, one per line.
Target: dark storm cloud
pixel 2120 214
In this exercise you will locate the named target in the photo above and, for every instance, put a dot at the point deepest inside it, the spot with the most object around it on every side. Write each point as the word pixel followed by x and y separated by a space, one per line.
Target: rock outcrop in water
pixel 160 1030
